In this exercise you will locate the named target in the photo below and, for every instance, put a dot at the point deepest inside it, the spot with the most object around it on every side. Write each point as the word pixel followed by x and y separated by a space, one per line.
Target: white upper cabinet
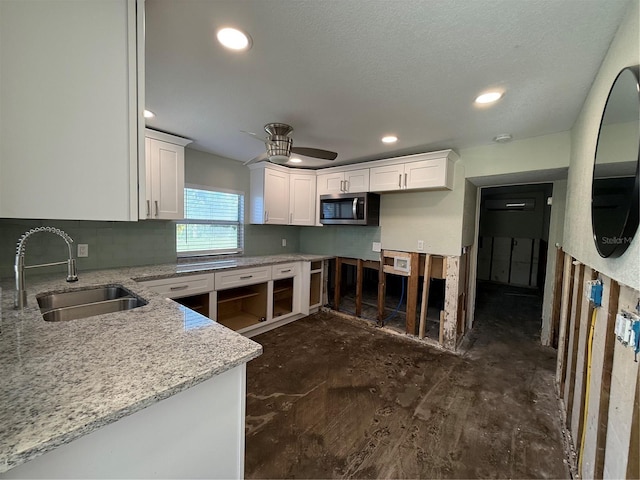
pixel 282 196
pixel 422 171
pixel 71 123
pixel 387 178
pixel 302 198
pixel 163 197
pixel 351 181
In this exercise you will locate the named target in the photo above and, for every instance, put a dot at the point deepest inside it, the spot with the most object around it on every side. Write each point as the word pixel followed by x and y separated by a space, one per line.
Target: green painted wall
pixel 343 240
pixel 111 244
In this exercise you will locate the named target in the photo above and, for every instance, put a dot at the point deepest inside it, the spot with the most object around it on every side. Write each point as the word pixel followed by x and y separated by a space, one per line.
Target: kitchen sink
pixel 87 302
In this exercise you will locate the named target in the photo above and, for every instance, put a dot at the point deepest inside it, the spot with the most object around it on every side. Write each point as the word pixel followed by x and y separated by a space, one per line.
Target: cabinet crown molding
pixel 166 137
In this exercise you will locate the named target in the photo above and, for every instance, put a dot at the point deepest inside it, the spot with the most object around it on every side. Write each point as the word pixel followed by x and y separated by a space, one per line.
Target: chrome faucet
pixel 19 267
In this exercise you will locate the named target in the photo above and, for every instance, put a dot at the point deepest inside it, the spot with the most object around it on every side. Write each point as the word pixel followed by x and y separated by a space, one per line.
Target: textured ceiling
pixel 345 72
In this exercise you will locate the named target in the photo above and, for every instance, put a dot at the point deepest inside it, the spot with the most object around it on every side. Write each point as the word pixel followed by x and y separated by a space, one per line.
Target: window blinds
pixel 213 222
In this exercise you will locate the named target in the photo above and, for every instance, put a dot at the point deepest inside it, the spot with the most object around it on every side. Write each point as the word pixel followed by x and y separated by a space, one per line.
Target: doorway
pixel 513 237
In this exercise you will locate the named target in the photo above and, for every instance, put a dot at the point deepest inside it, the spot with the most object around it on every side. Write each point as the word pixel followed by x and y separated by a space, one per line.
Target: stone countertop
pixel 62 380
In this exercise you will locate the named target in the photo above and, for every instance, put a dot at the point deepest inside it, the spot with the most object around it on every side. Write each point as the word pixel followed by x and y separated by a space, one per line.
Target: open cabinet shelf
pixel 242 307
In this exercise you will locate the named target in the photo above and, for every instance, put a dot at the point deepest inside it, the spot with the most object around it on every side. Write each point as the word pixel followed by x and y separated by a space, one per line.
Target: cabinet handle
pixel 405 180
pixel 148 208
pixel 157 210
pixel 180 287
pixel 400 181
pixel 285 271
pixel 291 218
pixel 246 277
pixel 266 216
pixel 346 185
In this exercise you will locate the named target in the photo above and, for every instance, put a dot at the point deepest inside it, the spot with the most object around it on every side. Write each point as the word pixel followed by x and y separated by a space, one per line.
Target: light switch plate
pixel 376 247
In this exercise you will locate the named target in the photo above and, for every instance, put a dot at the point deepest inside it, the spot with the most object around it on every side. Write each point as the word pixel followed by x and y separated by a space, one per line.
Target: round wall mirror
pixel 615 187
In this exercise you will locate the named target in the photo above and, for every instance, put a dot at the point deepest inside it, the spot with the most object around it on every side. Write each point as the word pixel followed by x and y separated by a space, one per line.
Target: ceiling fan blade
pixel 260 158
pixel 315 152
pixel 257 137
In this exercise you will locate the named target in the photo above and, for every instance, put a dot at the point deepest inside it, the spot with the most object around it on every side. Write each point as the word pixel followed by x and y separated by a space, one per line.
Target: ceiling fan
pixel 279 146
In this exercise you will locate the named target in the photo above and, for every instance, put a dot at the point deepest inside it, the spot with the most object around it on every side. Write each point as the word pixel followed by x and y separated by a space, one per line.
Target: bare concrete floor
pixel 336 398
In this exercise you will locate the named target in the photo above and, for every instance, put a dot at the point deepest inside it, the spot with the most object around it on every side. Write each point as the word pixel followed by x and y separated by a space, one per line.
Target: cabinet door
pixel 425 174
pixel 330 183
pixel 357 180
pixel 276 197
pixel 166 162
pixel 302 199
pixel 71 69
pixel 386 178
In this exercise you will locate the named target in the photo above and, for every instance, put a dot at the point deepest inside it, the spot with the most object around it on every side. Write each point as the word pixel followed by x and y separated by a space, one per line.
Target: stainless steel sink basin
pixel 87 302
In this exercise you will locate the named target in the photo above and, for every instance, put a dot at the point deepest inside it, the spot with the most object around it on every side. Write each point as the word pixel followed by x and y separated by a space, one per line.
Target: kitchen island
pixel 156 391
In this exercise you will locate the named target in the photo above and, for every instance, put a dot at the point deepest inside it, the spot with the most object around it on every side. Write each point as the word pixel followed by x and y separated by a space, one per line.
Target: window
pixel 213 222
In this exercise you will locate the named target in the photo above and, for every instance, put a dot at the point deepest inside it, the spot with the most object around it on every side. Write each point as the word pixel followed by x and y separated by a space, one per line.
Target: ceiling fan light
pixel 389 139
pixel 279 159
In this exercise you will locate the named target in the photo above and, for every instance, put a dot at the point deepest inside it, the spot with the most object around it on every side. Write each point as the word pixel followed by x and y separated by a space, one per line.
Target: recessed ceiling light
pixel 489 97
pixel 149 114
pixel 295 160
pixel 389 139
pixel 234 39
pixel 502 138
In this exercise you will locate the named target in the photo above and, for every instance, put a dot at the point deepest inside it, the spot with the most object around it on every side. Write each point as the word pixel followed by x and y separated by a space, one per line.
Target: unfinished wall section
pixel 597 376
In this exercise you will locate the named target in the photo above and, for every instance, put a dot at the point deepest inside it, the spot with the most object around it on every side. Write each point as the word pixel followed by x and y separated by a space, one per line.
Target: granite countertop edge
pixel 30 325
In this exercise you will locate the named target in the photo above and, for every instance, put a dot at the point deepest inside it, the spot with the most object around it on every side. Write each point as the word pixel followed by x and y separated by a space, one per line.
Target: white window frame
pixel 240 223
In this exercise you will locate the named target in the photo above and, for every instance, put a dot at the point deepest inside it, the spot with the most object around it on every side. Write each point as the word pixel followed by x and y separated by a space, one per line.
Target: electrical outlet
pixel 284 242
pixel 420 245
pixel 83 250
pixel 376 247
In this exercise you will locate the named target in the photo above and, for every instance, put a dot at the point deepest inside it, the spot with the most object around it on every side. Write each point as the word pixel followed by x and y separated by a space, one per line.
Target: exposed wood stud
pixel 584 347
pixel 576 316
pixel 557 297
pixel 337 284
pixel 382 279
pixel 412 293
pixel 567 284
pixel 425 295
pixel 605 385
pixel 359 279
pixel 633 458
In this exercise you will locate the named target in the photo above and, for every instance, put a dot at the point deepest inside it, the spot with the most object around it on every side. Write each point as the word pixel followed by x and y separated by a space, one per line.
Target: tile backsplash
pixel 111 244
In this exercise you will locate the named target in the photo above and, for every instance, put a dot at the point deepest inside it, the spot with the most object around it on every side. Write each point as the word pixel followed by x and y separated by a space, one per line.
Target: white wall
pixel 435 217
pixel 547 152
pixel 624 51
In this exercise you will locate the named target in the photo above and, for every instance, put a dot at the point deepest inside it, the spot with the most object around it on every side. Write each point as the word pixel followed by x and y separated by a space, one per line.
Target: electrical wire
pixel 395 311
pixel 586 395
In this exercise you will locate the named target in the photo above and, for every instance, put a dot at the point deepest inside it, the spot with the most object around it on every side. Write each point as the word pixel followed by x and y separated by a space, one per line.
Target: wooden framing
pixel 605 383
pixel 585 371
pixel 454 270
pixel 337 284
pixel 557 297
pixel 567 285
pixel 425 295
pixel 569 390
pixel 412 294
pixel 633 458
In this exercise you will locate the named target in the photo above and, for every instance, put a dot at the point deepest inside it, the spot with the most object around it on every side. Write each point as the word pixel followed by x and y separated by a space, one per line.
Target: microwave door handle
pixel 355 208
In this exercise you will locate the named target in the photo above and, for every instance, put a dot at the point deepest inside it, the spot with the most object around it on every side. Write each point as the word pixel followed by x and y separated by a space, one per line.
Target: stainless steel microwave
pixel 350 209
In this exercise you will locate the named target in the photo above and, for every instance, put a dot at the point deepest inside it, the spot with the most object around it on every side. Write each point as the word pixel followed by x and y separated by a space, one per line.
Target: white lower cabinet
pixel 249 300
pixel 153 443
